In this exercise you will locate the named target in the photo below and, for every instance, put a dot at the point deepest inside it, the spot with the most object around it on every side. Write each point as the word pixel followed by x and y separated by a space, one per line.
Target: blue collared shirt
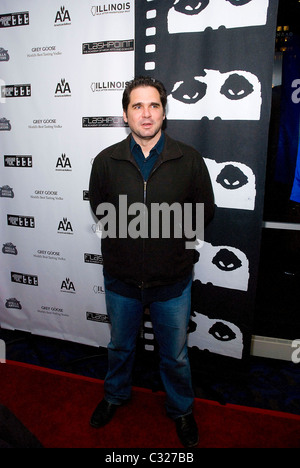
pixel 146 164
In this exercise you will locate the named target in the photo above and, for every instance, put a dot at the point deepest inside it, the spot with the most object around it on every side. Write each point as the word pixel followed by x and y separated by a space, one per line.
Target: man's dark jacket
pixel 179 176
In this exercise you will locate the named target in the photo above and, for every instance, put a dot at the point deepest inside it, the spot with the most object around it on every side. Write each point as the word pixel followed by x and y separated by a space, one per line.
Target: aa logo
pixel 65 227
pixel 67 286
pixel 63 88
pixel 62 17
pixel 63 163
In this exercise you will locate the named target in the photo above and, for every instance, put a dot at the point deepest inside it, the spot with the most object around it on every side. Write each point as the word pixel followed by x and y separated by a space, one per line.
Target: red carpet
pixel 56 408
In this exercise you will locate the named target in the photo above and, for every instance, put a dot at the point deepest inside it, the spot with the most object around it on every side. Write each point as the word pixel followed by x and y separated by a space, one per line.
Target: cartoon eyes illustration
pixel 232 177
pixel 190 7
pixel 216 336
pixel 236 87
pixel 226 260
pixel 186 16
pixel 222 332
pixel 194 7
pixel 238 2
pixel 234 184
pixel 190 91
pixel 232 95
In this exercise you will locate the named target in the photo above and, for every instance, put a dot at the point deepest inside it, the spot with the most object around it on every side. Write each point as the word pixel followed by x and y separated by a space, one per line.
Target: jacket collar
pixel 158 147
pixel 171 150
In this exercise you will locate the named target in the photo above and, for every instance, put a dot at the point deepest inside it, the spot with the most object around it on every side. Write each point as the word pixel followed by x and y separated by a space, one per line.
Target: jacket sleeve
pixel 204 191
pixel 96 185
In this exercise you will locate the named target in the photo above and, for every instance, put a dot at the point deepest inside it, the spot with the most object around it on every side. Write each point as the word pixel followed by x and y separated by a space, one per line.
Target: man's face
pixel 145 113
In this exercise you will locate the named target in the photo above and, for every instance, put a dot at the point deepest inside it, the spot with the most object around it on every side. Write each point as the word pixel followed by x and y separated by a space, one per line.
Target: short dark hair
pixel 144 81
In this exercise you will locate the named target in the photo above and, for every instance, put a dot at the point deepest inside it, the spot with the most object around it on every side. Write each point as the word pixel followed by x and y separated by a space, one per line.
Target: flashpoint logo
pixel 103 121
pixel 296 353
pixel 166 221
pixel 93 258
pixel 108 46
pixel 2 352
pixel 63 89
pixel 95 317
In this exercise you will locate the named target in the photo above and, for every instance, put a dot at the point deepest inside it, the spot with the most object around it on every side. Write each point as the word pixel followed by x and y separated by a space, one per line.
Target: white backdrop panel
pixel 51 273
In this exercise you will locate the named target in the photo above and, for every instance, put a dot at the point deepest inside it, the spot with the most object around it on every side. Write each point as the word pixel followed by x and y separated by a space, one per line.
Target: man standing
pixel 150 169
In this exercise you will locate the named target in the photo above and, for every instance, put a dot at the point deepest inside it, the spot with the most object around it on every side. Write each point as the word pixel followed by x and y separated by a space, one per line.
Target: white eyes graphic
pixel 187 16
pixel 194 7
pixel 192 90
pixel 190 7
pixel 234 95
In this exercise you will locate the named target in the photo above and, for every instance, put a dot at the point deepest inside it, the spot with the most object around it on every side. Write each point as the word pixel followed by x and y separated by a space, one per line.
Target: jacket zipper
pixel 144 218
pixel 145 185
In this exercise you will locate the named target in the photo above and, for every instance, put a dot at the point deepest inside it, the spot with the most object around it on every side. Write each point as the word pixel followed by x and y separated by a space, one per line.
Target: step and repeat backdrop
pixel 64 66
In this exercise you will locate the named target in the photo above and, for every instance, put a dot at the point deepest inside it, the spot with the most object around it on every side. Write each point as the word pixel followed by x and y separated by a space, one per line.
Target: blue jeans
pixel 170 322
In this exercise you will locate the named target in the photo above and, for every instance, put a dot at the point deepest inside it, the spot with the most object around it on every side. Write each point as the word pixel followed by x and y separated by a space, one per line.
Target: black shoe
pixel 103 414
pixel 187 430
